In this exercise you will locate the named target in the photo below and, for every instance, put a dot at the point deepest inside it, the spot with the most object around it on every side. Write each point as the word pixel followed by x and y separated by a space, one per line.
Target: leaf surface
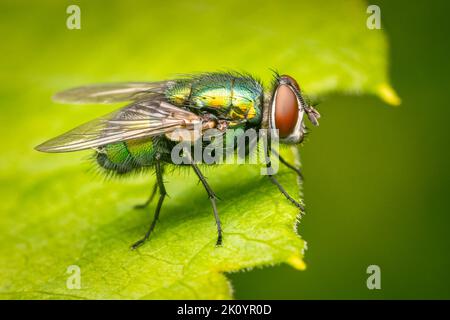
pixel 56 213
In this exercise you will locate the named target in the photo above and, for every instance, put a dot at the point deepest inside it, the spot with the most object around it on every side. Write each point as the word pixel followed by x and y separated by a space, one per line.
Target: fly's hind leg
pixel 212 197
pixel 162 195
pixel 149 200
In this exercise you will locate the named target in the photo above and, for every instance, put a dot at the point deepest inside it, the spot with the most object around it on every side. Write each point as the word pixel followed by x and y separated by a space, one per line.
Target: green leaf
pixel 92 224
pixel 56 213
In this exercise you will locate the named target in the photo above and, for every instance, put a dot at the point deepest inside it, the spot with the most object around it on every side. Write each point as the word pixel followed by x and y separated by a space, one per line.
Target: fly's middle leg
pixel 162 195
pixel 285 193
pixel 149 200
pixel 212 197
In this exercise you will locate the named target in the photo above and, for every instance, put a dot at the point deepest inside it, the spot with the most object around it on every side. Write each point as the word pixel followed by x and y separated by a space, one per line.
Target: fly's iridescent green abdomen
pixel 126 156
pixel 133 155
pixel 236 98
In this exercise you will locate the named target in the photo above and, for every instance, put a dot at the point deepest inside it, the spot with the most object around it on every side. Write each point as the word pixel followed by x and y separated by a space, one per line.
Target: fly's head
pixel 287 108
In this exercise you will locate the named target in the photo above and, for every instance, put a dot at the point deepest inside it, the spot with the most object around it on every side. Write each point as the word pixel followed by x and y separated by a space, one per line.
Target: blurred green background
pixel 376 177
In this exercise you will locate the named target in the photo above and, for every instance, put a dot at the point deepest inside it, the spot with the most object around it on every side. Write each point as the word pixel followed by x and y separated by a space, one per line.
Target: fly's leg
pixel 149 200
pixel 212 197
pixel 275 181
pixel 286 194
pixel 287 164
pixel 162 195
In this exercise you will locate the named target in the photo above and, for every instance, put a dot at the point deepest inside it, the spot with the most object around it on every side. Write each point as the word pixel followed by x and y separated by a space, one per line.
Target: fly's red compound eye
pixel 286 110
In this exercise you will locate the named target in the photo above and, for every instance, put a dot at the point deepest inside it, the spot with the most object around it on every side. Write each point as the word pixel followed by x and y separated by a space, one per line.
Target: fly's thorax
pixel 247 100
pixel 233 97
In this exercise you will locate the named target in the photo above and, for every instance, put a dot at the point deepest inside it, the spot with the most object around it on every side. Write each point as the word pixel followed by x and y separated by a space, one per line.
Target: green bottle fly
pixel 142 135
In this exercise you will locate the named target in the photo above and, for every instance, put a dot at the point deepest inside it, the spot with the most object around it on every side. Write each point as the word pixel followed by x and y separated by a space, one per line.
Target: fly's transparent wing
pixel 138 120
pixel 112 92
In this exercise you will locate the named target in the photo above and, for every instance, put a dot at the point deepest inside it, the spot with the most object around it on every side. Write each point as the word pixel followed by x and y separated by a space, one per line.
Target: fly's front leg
pixel 162 195
pixel 149 200
pixel 287 164
pixel 275 181
pixel 212 198
pixel 286 194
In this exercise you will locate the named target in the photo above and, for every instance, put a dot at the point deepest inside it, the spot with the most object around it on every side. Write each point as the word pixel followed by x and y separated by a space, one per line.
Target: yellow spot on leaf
pixel 388 94
pixel 297 262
